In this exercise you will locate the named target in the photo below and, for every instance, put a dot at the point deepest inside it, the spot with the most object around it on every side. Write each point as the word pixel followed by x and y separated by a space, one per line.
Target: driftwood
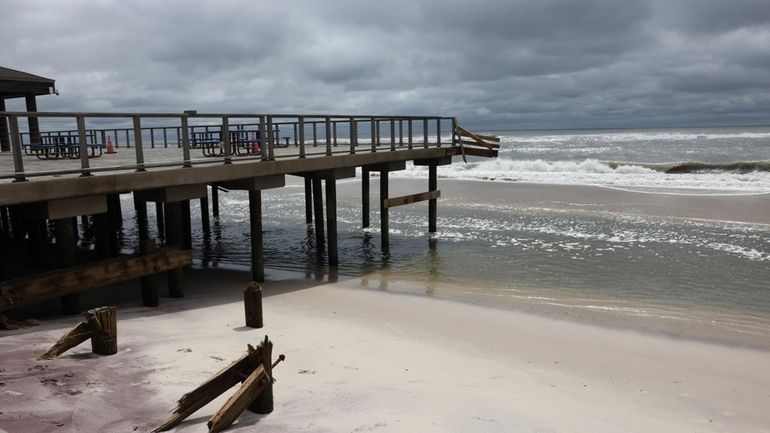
pixel 253 369
pixel 100 326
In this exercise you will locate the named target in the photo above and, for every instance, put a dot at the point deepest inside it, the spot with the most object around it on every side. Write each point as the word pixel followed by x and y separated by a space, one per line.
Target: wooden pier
pixel 56 181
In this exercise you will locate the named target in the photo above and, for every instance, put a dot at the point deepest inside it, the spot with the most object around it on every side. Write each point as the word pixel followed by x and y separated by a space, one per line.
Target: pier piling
pixel 257 252
pixel 173 222
pixel 318 211
pixel 308 200
pixel 432 186
pixel 205 222
pixel 365 197
pixel 331 220
pixel 66 253
pixel 384 226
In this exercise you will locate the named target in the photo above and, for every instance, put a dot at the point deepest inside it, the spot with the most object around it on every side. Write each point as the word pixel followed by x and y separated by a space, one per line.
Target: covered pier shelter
pixel 19 84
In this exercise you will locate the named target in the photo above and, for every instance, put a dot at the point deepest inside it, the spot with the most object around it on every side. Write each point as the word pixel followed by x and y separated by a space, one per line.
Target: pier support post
pixel 331 220
pixel 432 186
pixel 308 200
pixel 186 225
pixel 215 201
pixel 37 240
pixel 257 253
pixel 173 222
pixel 115 209
pixel 149 283
pixel 160 218
pixel 365 197
pixel 205 222
pixel 4 220
pixel 318 210
pixel 142 226
pixel 384 229
pixel 66 253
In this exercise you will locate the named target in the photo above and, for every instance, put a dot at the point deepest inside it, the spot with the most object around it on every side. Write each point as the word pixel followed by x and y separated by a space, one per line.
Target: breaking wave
pixel 742 176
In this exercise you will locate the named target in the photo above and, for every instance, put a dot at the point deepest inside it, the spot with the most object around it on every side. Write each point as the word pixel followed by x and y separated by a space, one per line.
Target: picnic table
pixel 242 142
pixel 62 146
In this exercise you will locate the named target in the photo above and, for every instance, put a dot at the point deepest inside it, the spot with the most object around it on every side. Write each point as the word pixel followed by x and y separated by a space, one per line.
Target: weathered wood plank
pixel 208 391
pixel 475 151
pixel 238 402
pixel 27 290
pixel 474 143
pixel 412 198
pixel 80 333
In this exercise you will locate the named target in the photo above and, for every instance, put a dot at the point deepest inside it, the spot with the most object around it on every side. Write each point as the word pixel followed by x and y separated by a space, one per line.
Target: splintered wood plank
pixel 80 333
pixel 208 391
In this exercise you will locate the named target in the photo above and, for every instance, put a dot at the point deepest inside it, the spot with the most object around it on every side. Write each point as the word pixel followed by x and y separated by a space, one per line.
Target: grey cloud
pixel 523 63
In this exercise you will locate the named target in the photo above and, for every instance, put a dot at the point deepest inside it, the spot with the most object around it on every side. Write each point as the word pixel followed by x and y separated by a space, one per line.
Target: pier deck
pixel 161 158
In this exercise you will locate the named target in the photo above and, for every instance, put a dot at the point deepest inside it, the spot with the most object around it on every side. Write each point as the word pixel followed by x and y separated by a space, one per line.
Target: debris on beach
pixel 254 369
pixel 100 326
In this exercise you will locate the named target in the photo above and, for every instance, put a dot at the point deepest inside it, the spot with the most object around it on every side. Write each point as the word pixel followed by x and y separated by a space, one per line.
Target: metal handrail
pixel 295 128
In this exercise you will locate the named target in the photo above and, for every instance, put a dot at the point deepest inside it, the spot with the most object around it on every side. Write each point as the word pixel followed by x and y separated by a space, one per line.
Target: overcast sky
pixel 515 64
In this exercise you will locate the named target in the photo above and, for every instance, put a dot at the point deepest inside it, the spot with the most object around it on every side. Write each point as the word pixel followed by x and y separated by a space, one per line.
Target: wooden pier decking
pixel 251 152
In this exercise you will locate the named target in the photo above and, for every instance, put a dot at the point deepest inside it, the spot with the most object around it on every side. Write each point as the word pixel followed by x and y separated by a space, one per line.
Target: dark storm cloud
pixel 524 63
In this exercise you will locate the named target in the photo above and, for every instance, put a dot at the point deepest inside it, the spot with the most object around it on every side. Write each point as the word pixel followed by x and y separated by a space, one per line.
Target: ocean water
pixel 685 277
pixel 735 159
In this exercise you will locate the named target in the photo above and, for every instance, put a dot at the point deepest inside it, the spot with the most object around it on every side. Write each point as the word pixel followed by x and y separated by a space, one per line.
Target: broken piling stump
pixel 100 326
pixel 253 369
pixel 252 302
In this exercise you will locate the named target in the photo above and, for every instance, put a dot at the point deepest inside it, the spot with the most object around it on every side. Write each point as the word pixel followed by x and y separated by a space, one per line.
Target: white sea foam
pixel 595 172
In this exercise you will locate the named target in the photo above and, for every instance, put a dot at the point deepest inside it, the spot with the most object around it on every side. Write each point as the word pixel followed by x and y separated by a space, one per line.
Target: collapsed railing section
pixel 207 138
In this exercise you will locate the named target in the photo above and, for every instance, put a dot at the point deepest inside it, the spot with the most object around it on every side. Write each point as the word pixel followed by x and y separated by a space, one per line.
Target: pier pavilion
pixel 19 84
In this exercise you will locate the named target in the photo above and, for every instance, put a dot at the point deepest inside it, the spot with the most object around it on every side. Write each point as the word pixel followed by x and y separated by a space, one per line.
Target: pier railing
pixel 67 143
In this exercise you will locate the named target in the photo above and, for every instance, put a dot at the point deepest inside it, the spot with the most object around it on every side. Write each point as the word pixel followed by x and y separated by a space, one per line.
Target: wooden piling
pixel 103 321
pixel 102 234
pixel 205 222
pixel 115 208
pixel 215 201
pixel 143 228
pixel 384 223
pixel 252 302
pixel 365 197
pixel 432 186
pixel 255 219
pixel 308 200
pixel 186 225
pixel 149 283
pixel 331 220
pixel 160 218
pixel 37 240
pixel 318 210
pixel 5 221
pixel 173 222
pixel 66 253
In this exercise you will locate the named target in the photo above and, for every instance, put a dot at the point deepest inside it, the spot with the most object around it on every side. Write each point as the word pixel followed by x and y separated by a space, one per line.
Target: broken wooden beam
pixel 27 290
pixel 100 326
pixel 240 370
pixel 412 198
pixel 207 391
pixel 238 402
pixel 80 333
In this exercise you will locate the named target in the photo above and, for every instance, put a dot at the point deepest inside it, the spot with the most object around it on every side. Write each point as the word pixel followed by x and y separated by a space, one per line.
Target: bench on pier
pixel 63 146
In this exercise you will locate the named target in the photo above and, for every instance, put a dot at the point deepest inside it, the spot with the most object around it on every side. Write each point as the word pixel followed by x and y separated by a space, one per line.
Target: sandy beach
pixel 363 360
